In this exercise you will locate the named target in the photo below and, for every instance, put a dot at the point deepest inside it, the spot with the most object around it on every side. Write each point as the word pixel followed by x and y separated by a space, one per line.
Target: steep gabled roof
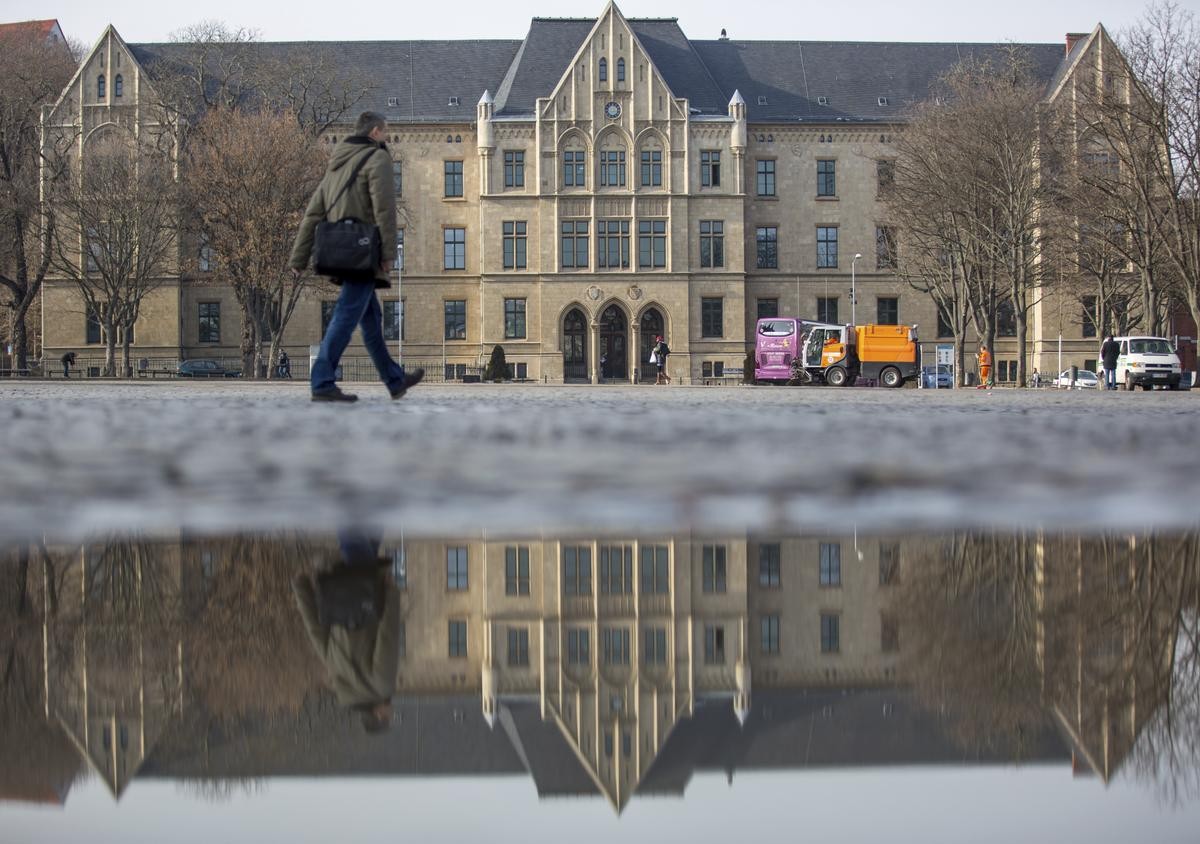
pixel 46 30
pixel 852 76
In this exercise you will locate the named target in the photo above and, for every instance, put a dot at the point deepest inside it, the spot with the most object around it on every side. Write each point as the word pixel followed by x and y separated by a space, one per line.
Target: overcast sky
pixel 867 20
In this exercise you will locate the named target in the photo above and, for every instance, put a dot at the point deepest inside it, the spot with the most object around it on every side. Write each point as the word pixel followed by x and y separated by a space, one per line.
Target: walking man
pixel 371 198
pixel 1109 352
pixel 985 367
pixel 661 351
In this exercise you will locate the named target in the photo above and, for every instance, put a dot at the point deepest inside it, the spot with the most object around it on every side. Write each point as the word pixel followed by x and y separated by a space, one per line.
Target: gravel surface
pixel 456 460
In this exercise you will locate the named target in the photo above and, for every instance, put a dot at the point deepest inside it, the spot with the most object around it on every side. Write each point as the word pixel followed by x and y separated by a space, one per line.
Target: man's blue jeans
pixel 356 306
pixel 1110 378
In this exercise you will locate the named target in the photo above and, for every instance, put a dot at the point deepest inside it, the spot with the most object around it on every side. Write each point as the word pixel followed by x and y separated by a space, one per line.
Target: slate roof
pixel 422 76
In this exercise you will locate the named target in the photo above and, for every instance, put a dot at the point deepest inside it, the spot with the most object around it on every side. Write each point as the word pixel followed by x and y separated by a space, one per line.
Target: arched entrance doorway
pixel 614 344
pixel 575 366
pixel 649 327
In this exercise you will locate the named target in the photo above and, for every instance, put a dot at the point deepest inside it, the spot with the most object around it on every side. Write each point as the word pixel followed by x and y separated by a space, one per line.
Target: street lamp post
pixel 853 291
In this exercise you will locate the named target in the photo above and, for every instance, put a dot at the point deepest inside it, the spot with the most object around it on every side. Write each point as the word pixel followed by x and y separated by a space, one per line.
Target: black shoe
pixel 334 394
pixel 411 379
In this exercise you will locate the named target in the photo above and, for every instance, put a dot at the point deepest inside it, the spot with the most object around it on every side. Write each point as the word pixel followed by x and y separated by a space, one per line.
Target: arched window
pixel 118 86
pixel 620 70
pixel 100 87
pixel 603 70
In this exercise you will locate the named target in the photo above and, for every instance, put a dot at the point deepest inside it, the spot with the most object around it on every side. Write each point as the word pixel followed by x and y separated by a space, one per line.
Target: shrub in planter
pixel 497 367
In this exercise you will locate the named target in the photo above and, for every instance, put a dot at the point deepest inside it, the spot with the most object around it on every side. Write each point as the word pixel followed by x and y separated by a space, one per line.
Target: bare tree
pixel 248 176
pixel 117 232
pixel 34 72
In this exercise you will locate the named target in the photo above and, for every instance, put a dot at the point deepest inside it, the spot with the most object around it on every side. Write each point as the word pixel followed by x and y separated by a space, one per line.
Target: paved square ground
pixel 85 457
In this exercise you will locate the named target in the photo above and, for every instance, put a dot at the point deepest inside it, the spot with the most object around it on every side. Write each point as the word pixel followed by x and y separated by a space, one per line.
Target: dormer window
pixel 393 102
pixel 762 100
pixel 603 70
pixel 822 101
pixel 118 86
pixel 883 101
pixel 453 101
pixel 620 70
pixel 100 93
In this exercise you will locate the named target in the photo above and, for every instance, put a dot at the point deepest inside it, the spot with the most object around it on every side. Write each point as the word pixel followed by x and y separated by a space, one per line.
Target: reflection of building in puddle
pixel 622 667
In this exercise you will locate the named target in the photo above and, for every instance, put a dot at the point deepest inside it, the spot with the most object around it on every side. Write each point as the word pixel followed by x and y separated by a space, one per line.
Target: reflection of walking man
pixel 351 613
pixel 985 367
pixel 1109 352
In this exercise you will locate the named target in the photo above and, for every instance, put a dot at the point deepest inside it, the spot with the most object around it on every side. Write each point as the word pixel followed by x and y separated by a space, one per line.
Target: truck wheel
pixel 836 377
pixel 1147 387
pixel 1128 383
pixel 891 377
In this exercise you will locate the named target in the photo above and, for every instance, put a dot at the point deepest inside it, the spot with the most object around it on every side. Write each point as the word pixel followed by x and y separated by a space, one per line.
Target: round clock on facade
pixel 612 111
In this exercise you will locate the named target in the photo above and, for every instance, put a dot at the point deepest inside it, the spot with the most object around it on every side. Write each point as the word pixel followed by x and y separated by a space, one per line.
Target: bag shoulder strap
pixel 353 176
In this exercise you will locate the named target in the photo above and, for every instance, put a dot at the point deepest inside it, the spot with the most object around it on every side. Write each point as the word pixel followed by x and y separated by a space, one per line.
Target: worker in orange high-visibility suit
pixel 985 367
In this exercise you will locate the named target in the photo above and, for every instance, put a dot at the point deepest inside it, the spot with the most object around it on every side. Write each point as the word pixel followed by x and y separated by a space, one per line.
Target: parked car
pixel 1085 379
pixel 945 377
pixel 205 369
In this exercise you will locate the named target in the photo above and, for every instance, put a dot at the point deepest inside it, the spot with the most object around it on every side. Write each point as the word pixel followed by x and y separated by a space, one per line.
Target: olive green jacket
pixel 371 199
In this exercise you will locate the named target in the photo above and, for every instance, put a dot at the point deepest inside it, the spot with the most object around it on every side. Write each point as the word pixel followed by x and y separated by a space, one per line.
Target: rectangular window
pixel 768 308
pixel 327 314
pixel 826 177
pixel 458 639
pixel 889 634
pixel 944 326
pixel 831 564
pixel 656 571
pixel 397 178
pixel 393 320
pixel 713 564
pixel 616 569
pixel 710 168
pixel 579 647
pixel 887 310
pixel 400 249
pixel 574 169
pixel 456 568
pixel 767 240
pixel 652 243
pixel 768 565
pixel 885 175
pixel 612 244
pixel 885 248
pixel 1089 316
pixel 456 319
pixel 454 178
pixel 651 168
pixel 889 563
pixel 454 247
pixel 92 327
pixel 616 646
pixel 516 570
pixel 712 369
pixel 514 169
pixel 514 232
pixel 577 570
pixel 210 323
pixel 712 243
pixel 654 651
pixel 574 244
pixel 827 247
pixel 514 319
pixel 714 644
pixel 831 639
pixel 712 319
pixel 765 171
pixel 769 634
pixel 612 168
pixel 1006 319
pixel 205 258
pixel 518 646
pixel 827 309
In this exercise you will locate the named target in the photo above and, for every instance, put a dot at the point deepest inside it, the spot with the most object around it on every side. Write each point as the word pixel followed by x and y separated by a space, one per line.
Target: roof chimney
pixel 724 34
pixel 1074 38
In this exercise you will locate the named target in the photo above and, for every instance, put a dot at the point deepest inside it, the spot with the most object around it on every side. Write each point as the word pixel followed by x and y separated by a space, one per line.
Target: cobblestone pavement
pixel 93 457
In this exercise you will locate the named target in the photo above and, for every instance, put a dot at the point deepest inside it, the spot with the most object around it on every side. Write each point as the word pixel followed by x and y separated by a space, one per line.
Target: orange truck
pixel 835 354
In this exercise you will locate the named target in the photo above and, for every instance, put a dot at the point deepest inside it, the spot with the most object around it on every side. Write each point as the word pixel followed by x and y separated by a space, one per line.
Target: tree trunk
pixel 272 356
pixel 20 339
pixel 110 351
pixel 126 369
pixel 248 348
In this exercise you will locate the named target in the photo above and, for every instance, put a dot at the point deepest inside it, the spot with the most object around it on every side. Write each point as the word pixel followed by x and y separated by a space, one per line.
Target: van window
pixel 1124 347
pixel 777 328
pixel 1149 346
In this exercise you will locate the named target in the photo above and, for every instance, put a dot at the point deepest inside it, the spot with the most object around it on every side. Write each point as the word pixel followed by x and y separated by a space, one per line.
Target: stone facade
pixel 465 181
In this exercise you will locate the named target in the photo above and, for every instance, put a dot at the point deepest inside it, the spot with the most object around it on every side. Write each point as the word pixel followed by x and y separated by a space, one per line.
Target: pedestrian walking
pixel 984 357
pixel 357 185
pixel 68 360
pixel 1109 352
pixel 660 353
pixel 1036 380
pixel 283 369
pixel 351 613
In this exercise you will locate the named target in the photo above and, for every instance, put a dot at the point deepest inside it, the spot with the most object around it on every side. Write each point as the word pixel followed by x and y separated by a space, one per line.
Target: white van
pixel 1147 362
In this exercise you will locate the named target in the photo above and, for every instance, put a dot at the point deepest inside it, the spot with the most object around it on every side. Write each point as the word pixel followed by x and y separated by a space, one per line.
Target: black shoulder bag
pixel 349 249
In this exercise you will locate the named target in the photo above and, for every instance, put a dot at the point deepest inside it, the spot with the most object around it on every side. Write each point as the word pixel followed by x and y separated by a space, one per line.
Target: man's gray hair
pixel 369 120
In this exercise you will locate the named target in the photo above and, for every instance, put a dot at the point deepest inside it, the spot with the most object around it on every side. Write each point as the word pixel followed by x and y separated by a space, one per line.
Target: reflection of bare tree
pixel 220 791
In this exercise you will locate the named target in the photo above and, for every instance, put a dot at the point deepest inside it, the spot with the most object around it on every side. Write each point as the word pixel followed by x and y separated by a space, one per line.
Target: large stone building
pixel 574 194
